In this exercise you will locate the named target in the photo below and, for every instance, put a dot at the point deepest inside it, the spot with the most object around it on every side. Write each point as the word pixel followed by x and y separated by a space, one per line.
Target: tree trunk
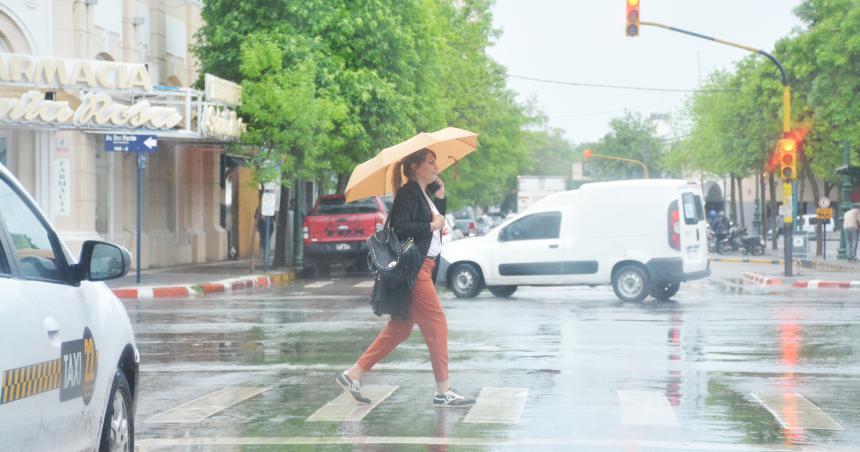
pixel 771 220
pixel 741 201
pixel 816 194
pixel 281 229
pixel 254 246
pixel 342 179
pixel 734 211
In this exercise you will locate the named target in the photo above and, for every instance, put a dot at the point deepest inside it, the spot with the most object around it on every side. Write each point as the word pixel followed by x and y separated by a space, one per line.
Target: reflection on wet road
pixel 558 367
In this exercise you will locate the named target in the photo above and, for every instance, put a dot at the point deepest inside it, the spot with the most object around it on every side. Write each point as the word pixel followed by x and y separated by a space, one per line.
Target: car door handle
pixel 554 246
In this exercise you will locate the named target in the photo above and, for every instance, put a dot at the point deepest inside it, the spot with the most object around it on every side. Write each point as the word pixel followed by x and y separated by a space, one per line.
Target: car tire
pixel 502 291
pixel 665 290
pixel 631 283
pixel 466 280
pixel 118 427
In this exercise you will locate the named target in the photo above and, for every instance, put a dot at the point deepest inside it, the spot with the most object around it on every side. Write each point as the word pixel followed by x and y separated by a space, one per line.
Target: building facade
pixel 73 72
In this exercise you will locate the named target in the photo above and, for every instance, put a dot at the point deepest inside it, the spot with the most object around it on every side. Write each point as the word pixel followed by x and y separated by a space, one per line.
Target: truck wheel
pixel 118 428
pixel 502 291
pixel 665 290
pixel 466 281
pixel 631 283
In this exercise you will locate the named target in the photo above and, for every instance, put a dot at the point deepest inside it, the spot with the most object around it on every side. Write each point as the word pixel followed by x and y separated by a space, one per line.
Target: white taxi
pixel 68 359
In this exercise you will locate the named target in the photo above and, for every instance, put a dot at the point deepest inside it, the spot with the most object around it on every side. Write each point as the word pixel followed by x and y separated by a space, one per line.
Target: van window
pixel 700 208
pixel 337 206
pixel 37 255
pixel 4 265
pixel 538 226
pixel 691 208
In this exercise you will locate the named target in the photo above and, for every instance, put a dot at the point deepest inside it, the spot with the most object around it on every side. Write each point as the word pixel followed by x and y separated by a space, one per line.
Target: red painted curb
pixel 213 288
pixel 125 293
pixel 170 292
pixel 762 280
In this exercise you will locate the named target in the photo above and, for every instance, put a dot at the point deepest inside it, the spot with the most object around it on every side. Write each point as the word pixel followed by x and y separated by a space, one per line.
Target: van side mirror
pixel 102 261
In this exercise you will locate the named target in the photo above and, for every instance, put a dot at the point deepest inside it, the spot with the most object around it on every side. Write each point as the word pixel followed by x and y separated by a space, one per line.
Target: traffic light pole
pixel 621 159
pixel 788 198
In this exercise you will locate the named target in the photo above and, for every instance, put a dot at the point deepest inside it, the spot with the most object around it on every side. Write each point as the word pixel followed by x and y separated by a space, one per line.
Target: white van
pixel 642 236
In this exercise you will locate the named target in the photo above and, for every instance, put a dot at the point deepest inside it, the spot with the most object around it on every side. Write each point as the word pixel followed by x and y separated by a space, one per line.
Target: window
pixel 4 143
pixel 336 206
pixel 533 227
pixel 31 244
pixel 691 208
pixel 4 266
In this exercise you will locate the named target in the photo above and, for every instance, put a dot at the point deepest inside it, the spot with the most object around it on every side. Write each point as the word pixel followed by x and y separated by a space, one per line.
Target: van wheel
pixel 118 428
pixel 631 283
pixel 665 290
pixel 466 281
pixel 502 291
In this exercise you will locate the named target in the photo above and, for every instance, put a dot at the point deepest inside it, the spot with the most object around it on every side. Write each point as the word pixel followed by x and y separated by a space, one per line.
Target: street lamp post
pixel 587 154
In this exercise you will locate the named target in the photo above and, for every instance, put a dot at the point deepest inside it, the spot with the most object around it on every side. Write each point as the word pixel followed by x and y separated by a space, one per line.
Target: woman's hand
pixel 437 223
pixel 440 193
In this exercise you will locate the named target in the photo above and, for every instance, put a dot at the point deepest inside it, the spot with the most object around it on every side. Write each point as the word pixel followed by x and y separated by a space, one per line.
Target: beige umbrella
pixel 373 177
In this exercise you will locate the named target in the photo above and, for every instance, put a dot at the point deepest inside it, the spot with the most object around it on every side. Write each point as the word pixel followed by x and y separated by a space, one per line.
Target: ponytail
pixel 396 178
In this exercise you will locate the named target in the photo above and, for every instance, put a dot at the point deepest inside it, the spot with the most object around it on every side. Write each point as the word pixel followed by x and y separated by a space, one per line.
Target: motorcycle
pixel 737 239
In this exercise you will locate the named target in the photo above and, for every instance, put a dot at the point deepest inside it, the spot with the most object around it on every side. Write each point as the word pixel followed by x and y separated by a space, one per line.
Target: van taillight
pixel 674 226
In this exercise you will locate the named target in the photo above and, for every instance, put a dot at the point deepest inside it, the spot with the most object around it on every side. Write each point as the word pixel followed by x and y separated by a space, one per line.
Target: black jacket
pixel 411 217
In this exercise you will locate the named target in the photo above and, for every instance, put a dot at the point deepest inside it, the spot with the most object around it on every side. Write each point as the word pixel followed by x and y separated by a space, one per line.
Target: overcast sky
pixel 583 41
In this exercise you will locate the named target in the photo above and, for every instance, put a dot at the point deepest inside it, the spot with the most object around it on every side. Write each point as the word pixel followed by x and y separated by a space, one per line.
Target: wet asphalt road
pixel 715 369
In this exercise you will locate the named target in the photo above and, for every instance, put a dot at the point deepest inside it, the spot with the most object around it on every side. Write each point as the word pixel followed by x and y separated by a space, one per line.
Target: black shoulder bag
pixel 394 265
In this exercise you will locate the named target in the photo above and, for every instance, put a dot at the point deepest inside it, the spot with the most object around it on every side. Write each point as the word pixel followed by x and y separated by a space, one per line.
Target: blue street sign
pixel 130 143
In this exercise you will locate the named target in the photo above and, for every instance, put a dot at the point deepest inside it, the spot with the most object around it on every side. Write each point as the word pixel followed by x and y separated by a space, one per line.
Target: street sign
pixel 130 143
pixel 824 214
pixel 268 205
pixel 824 202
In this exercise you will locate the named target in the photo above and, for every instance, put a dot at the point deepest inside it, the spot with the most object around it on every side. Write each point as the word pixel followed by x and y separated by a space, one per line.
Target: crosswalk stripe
pixel 201 408
pixel 364 284
pixel 317 285
pixel 646 408
pixel 795 412
pixel 345 408
pixel 498 406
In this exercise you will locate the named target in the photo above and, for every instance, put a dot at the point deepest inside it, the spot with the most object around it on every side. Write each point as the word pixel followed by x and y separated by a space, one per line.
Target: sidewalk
pixel 775 257
pixel 198 280
pixel 804 278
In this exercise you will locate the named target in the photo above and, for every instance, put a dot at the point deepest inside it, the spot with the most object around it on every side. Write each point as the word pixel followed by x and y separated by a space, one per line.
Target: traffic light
pixel 786 150
pixel 632 28
pixel 586 154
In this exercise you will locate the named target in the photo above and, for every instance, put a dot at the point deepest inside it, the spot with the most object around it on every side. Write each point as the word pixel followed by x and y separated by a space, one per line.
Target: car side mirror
pixel 102 261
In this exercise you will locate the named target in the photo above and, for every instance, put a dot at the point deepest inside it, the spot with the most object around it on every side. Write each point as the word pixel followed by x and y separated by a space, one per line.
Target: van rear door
pixel 694 235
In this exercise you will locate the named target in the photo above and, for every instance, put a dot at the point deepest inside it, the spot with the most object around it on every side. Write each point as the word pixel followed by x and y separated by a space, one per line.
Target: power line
pixel 599 85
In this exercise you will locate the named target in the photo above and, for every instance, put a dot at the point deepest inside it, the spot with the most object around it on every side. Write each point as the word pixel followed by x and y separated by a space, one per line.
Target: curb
pixel 203 289
pixel 747 260
pixel 804 263
pixel 761 280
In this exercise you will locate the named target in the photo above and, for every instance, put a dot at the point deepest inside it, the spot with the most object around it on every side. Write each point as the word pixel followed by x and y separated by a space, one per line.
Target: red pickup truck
pixel 336 232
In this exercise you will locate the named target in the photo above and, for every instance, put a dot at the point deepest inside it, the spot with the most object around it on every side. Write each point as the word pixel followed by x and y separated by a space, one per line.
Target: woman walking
pixel 417 213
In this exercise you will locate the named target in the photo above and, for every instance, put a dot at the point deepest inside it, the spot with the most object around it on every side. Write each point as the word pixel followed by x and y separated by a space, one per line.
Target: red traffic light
pixel 586 154
pixel 632 28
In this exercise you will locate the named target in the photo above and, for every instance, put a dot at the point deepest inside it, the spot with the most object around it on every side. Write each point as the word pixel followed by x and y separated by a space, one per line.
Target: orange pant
pixel 426 311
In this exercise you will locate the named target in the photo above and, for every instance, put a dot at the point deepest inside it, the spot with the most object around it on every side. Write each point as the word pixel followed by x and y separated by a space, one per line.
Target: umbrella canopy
pixel 373 177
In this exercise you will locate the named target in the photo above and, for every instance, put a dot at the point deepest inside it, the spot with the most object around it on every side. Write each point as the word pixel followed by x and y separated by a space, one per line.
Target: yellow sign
pixel 824 214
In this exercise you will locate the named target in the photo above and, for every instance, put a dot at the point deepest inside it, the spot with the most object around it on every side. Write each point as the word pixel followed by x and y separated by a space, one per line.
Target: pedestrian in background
pixel 851 225
pixel 418 213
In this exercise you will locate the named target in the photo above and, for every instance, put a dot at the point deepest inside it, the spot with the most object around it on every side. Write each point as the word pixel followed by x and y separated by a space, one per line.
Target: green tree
pixel 632 137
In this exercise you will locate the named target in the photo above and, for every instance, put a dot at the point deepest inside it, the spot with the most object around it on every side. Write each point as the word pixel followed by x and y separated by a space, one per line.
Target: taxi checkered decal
pixel 30 380
pixel 74 374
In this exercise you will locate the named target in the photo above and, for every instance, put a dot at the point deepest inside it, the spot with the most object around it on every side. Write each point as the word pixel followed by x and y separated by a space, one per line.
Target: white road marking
pixel 317 285
pixel 345 408
pixel 146 444
pixel 646 408
pixel 364 284
pixel 498 406
pixel 795 412
pixel 201 408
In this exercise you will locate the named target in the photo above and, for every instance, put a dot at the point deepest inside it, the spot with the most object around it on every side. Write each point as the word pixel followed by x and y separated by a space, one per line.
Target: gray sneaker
pixel 352 387
pixel 452 399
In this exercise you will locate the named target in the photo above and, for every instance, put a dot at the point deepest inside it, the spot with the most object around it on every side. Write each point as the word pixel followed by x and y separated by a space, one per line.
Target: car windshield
pixel 336 206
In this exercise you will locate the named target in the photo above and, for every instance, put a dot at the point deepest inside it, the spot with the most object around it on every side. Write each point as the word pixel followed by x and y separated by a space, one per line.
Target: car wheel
pixel 466 281
pixel 631 283
pixel 665 290
pixel 502 291
pixel 118 428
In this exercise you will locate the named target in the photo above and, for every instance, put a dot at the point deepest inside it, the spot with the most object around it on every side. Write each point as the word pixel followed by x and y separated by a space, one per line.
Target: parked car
pixel 642 237
pixel 69 361
pixel 335 232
